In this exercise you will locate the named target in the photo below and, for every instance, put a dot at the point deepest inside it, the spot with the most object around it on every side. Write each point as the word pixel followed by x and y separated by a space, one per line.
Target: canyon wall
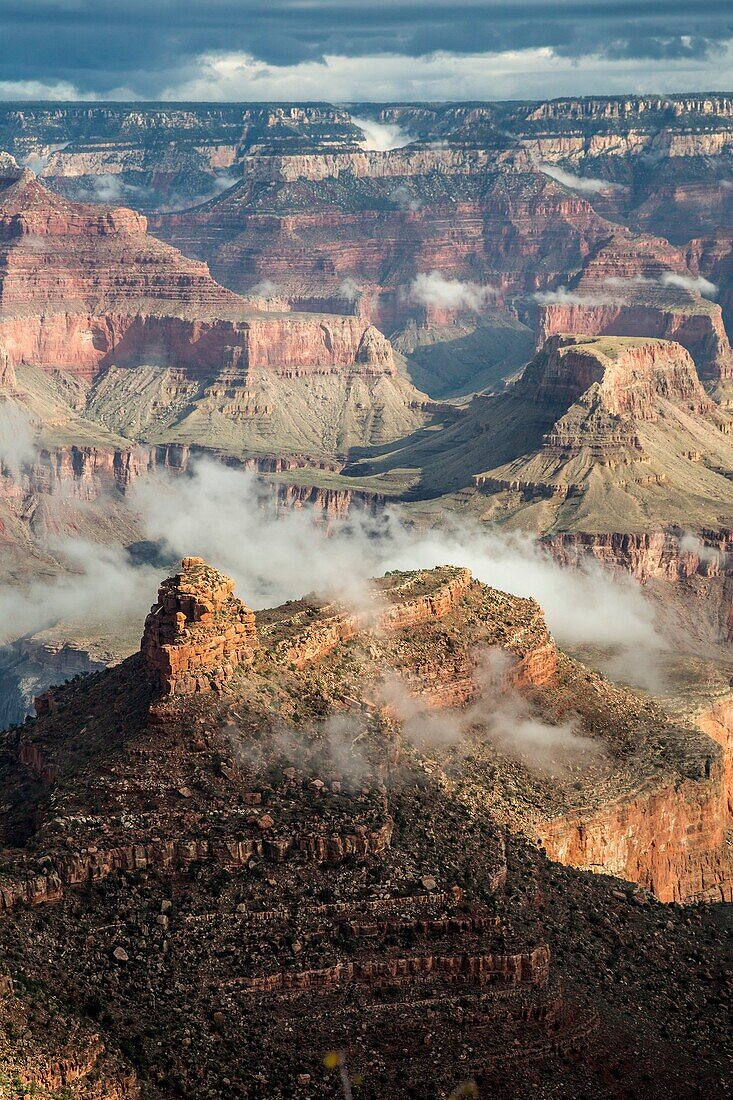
pixel 671 837
pixel 701 333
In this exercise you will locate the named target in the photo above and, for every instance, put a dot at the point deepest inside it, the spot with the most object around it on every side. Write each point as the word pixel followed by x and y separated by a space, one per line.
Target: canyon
pixel 288 203
pixel 126 335
pixel 520 318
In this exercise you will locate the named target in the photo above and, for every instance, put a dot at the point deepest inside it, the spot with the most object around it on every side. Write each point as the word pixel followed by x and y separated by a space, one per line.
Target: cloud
pixel 382 136
pixel 182 199
pixel 585 184
pixel 332 747
pixel 433 289
pixel 690 543
pixel 114 188
pixel 110 188
pixel 399 49
pixel 405 199
pixel 499 713
pixel 564 297
pixel 101 582
pixel 441 75
pixel 228 516
pixel 59 91
pixel 18 443
pixel 696 283
pixel 38 161
pixel 231 518
pixel 349 288
pixel 264 289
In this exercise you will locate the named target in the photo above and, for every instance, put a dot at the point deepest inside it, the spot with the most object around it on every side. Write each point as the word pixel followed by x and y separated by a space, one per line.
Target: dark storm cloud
pixel 100 46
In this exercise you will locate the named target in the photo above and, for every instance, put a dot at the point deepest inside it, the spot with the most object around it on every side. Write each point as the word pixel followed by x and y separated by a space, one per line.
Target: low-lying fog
pixel 230 518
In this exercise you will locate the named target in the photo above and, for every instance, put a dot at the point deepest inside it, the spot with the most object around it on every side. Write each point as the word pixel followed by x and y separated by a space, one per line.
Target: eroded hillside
pixel 321 820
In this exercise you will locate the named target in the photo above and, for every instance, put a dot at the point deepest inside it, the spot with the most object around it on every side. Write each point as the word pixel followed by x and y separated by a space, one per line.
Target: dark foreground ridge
pixel 267 838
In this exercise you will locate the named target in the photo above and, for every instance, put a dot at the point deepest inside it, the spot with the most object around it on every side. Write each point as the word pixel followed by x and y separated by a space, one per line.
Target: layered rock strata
pixel 106 332
pixel 628 288
pixel 198 632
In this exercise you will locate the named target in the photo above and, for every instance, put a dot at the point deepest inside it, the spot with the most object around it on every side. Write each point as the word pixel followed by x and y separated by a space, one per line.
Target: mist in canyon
pixel 17 437
pixel 230 517
pixel 588 185
pixel 499 714
pixel 381 137
pixel 433 289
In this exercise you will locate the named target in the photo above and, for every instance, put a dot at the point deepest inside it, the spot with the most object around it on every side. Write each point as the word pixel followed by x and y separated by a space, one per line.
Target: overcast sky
pixel 361 49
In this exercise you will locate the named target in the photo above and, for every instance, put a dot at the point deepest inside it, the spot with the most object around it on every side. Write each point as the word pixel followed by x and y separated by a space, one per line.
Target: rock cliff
pixel 600 435
pixel 624 289
pixel 135 339
pixel 513 197
pixel 197 633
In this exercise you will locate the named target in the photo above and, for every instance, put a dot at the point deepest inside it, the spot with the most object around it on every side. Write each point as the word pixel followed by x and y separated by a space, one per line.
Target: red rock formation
pixel 335 627
pixel 198 632
pixel 531 967
pixel 631 379
pixel 670 839
pixel 620 292
pixel 699 566
pixel 701 333
pixel 712 258
pixel 8 378
pixel 520 221
pixel 85 287
pixel 668 835
pixel 656 554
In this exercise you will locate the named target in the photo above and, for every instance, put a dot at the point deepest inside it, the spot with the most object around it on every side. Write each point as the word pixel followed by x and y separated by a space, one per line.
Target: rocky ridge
pixel 591 417
pixel 294 846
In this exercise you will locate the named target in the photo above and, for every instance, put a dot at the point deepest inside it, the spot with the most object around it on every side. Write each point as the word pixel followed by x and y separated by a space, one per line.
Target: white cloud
pixel 38 161
pixel 349 288
pixel 564 297
pixel 585 184
pixel 57 91
pixel 264 289
pixel 108 187
pixel 230 517
pixel 500 713
pixel 690 543
pixel 433 289
pixel 382 136
pixel 695 283
pixel 405 199
pixel 511 74
pixel 18 444
pixel 99 577
pixel 227 516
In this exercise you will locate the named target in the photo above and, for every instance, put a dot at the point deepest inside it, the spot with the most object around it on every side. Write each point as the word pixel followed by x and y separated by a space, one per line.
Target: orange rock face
pixel 621 291
pixel 198 632
pixel 670 839
pixel 630 383
pixel 85 287
pixel 703 335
